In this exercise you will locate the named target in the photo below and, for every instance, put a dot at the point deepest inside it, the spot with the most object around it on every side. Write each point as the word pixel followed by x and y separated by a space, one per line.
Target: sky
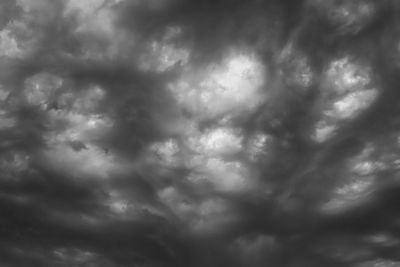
pixel 199 133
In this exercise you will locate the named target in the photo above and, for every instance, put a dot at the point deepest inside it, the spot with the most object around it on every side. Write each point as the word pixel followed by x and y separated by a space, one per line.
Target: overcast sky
pixel 199 133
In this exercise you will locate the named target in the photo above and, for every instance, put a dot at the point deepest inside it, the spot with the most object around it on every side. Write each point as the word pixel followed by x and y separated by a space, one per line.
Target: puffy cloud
pixel 21 37
pixel 258 146
pixel 98 37
pixel 351 104
pixel 41 88
pixel 348 89
pixel 233 85
pixel 84 128
pixel 344 75
pixel 348 16
pixel 18 39
pixel 76 147
pixel 89 100
pixel 75 128
pixel 178 202
pixel 162 57
pixel 166 53
pixel 7 119
pixel 323 131
pixel 9 45
pixel 296 69
pixel 359 181
pixel 217 141
pixel 382 239
pixel 134 143
pixel 168 152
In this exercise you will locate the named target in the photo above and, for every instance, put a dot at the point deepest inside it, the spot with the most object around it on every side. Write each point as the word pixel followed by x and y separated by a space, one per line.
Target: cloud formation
pixel 198 133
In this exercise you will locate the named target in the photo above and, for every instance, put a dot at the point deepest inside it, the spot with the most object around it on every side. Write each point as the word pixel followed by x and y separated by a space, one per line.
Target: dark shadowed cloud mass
pixel 200 133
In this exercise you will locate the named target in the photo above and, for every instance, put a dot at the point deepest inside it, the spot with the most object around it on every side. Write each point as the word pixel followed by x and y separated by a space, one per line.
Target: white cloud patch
pixel 121 206
pixel 296 69
pixel 40 89
pixel 72 256
pixel 323 131
pixel 9 45
pixel 354 188
pixel 76 256
pixel 3 94
pixel 217 141
pixel 7 119
pixel 348 89
pixel 348 16
pixel 233 85
pixel 207 153
pixel 344 75
pixel 227 88
pixel 358 183
pixel 352 104
pixel 180 204
pixel 161 56
pixel 73 142
pixel 382 238
pixel 89 99
pixel 19 38
pixel 85 128
pixel 7 122
pixel 258 145
pixel 168 152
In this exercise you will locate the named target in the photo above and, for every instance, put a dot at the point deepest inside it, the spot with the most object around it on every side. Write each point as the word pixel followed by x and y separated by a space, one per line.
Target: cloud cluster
pixel 201 133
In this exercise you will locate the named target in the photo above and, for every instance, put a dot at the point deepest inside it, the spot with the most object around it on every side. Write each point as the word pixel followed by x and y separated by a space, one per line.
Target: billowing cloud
pixel 348 89
pixel 233 85
pixel 201 133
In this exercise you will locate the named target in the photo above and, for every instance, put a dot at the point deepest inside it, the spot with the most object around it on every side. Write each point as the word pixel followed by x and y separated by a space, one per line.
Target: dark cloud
pixel 199 133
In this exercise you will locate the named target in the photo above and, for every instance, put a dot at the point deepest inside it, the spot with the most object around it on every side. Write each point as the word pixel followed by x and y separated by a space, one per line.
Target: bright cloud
pixel 218 141
pixel 344 75
pixel 257 146
pixel 348 89
pixel 40 89
pixel 233 85
pixel 162 56
pixel 9 45
pixel 352 103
